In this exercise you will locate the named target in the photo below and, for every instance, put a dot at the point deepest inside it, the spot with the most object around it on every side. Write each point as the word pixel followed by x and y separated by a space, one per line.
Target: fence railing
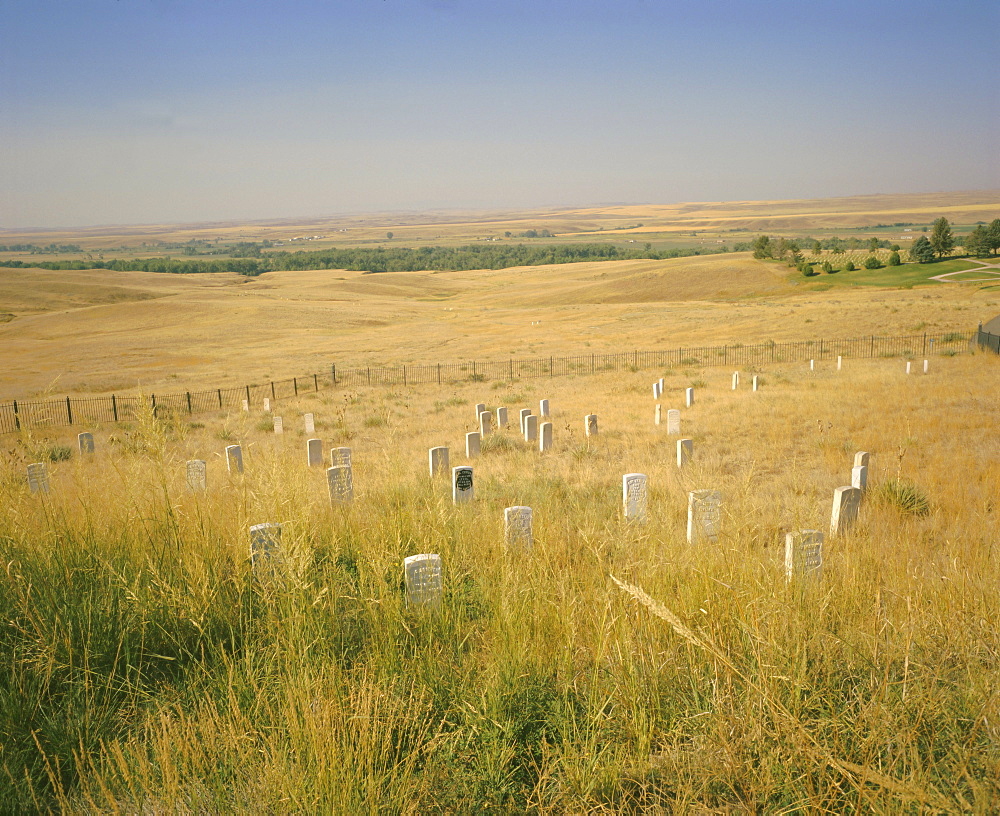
pixel 985 340
pixel 23 414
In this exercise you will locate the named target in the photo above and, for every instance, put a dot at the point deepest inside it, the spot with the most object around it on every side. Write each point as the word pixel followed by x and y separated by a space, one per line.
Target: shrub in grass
pixel 871 262
pixel 894 259
pixel 905 496
pixel 849 266
pixel 827 267
pixel 59 453
pixel 497 442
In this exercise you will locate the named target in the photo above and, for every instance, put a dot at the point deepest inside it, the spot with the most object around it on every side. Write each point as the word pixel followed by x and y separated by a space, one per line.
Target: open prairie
pixel 151 664
pixel 98 331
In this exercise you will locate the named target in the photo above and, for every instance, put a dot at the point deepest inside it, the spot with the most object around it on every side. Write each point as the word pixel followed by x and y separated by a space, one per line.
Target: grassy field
pixel 148 670
pixel 613 667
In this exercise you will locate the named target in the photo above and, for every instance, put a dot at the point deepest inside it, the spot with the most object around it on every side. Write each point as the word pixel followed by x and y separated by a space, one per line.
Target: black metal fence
pixel 985 340
pixel 20 414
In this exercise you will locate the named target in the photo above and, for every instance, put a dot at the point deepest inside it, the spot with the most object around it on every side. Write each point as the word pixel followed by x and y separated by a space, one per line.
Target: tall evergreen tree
pixel 942 241
pixel 922 251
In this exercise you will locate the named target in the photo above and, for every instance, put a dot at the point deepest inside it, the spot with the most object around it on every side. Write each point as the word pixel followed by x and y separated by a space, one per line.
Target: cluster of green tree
pixel 542 233
pixel 51 249
pixel 833 244
pixel 381 259
pixel 983 240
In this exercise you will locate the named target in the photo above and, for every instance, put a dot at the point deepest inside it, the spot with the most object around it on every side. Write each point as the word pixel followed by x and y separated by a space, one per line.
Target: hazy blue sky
pixel 136 111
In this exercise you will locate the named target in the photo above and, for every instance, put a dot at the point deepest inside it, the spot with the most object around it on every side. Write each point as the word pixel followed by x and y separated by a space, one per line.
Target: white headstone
pixel 736 380
pixel 530 428
pixel 804 555
pixel 590 425
pixel 689 397
pixel 545 437
pixel 279 424
pixel 660 383
pixel 909 367
pixel 846 502
pixel 656 390
pixel 86 442
pixel 674 422
pixel 659 414
pixel 525 412
pixel 340 456
pixel 461 484
pixel 543 407
pixel 485 424
pixel 861 458
pixel 438 458
pixel 812 365
pixel 859 477
pixel 246 405
pixel 340 481
pixel 314 452
pixel 423 580
pixel 480 407
pixel 756 383
pixel 267 404
pixel 38 478
pixel 197 475
pixel 925 366
pixel 704 515
pixel 310 423
pixel 265 542
pixel 501 417
pixel 685 450
pixel 840 361
pixel 635 496
pixel 472 446
pixel 234 458
pixel 517 527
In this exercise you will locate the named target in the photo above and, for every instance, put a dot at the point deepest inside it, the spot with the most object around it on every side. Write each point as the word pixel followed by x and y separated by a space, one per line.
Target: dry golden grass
pixel 99 331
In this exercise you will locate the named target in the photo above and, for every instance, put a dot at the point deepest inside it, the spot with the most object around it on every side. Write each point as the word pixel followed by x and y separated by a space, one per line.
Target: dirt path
pixel 985 268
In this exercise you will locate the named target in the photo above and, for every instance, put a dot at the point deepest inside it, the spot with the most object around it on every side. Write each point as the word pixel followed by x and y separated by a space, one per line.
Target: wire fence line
pixel 24 414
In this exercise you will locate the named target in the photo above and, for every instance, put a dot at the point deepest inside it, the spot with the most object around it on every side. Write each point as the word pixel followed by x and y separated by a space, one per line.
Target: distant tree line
pixel 381 259
pixel 35 249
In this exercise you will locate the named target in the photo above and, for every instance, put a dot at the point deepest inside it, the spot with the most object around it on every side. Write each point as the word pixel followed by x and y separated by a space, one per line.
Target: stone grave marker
pixel 543 407
pixel 501 417
pixel 38 478
pixel 340 456
pixel 635 496
pixel 689 397
pixel 267 404
pixel 840 362
pixel 859 477
pixel 279 424
pixel 197 475
pixel 265 543
pixel 659 414
pixel 517 527
pixel 530 428
pixel 340 481
pixel 804 555
pixel 736 380
pixel 926 362
pixel 660 383
pixel 685 450
pixel 861 458
pixel 234 458
pixel 756 382
pixel 480 407
pixel 545 437
pixel 674 422
pixel 485 424
pixel 462 491
pixel 812 365
pixel 704 515
pixel 246 405
pixel 525 412
pixel 909 367
pixel 590 425
pixel 422 575
pixel 438 458
pixel 86 442
pixel 656 390
pixel 472 446
pixel 314 452
pixel 310 423
pixel 846 502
